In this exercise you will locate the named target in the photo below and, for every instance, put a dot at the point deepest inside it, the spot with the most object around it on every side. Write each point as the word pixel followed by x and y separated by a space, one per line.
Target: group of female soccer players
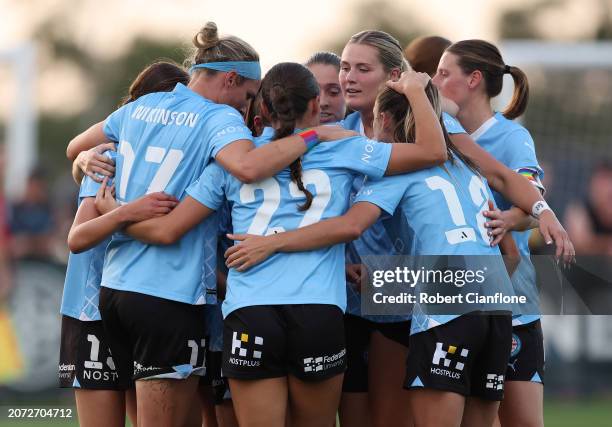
pixel 154 316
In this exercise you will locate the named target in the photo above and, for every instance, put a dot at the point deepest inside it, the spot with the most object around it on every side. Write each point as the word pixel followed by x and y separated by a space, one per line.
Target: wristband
pixel 539 207
pixel 310 137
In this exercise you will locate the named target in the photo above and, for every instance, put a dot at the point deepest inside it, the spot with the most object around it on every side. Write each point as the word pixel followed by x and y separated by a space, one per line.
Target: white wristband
pixel 538 208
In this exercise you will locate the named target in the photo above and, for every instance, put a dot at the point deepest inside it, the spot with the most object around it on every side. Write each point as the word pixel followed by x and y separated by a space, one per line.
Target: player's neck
pixel 309 122
pixel 202 85
pixel 474 113
pixel 367 118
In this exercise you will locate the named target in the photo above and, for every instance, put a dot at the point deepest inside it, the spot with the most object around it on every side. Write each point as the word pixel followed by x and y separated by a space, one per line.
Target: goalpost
pixel 570 118
pixel 20 135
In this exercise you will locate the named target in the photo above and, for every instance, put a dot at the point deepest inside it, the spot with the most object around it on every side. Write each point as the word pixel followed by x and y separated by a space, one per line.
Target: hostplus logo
pixel 241 347
pixel 322 363
pixel 495 382
pixel 451 361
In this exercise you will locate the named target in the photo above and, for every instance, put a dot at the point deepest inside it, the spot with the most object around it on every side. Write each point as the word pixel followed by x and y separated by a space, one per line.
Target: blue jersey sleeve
pixel 112 124
pixel 209 188
pixel 358 153
pixel 225 127
pixel 386 193
pixel 451 124
pixel 89 188
pixel 520 155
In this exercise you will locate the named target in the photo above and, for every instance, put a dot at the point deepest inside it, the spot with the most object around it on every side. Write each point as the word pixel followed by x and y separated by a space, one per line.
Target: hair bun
pixel 207 37
pixel 281 103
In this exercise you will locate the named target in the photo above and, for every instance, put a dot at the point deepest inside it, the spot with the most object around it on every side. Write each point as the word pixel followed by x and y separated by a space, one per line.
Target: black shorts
pixel 358 331
pixel 527 354
pixel 270 341
pixel 398 332
pixel 214 377
pixel 85 359
pixel 153 337
pixel 467 355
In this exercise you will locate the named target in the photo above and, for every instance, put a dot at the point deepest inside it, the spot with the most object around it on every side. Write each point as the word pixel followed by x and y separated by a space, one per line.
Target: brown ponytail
pixel 485 57
pixel 286 90
pixel 520 95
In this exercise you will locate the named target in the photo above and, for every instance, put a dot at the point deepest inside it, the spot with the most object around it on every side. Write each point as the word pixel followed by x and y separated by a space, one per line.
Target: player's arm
pixel 254 249
pixel 519 191
pixel 168 229
pixel 429 148
pixel 509 250
pixel 86 140
pixel 90 228
pixel 250 164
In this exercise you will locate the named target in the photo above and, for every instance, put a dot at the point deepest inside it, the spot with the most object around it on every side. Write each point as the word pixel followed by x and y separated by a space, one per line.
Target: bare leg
pixel 314 404
pixel 479 412
pixel 386 373
pixel 226 417
pixel 434 408
pixel 354 410
pixel 260 403
pixel 207 405
pixel 523 404
pixel 100 408
pixel 165 402
pixel 130 406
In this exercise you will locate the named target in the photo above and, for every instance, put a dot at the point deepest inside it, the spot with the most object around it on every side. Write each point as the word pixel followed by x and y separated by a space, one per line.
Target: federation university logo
pixel 245 349
pixel 449 362
pixel 321 363
pixel 495 382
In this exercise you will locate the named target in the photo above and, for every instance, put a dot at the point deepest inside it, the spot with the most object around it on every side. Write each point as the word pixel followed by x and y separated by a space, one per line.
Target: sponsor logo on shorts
pixel 140 369
pixel 248 352
pixel 66 368
pixel 516 345
pixel 495 382
pixel 65 371
pixel 449 362
pixel 322 363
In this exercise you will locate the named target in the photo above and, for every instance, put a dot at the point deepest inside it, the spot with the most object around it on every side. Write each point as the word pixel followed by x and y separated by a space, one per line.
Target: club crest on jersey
pixel 516 345
pixel 246 352
pixel 449 362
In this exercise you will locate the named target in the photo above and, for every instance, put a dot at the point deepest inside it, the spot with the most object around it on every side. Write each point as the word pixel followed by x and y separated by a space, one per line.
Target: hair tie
pixel 507 69
pixel 248 69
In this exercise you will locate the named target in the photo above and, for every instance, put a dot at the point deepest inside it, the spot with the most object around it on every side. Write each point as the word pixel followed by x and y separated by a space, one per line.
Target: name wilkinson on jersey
pixel 165 117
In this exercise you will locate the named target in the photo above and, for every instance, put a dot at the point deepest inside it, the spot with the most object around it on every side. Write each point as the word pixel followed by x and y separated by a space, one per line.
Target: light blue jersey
pixel 166 140
pixel 386 237
pixel 443 207
pixel 511 144
pixel 271 206
pixel 84 272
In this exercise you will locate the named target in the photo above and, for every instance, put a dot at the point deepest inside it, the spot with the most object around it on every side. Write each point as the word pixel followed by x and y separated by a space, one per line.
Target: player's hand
pixel 354 273
pixel 149 206
pixel 333 132
pixel 96 165
pixel 553 232
pixel 497 224
pixel 251 250
pixel 105 198
pixel 410 82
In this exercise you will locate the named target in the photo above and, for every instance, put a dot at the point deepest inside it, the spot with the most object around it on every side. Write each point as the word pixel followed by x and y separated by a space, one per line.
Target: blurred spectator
pixel 589 223
pixel 31 220
pixel 5 268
